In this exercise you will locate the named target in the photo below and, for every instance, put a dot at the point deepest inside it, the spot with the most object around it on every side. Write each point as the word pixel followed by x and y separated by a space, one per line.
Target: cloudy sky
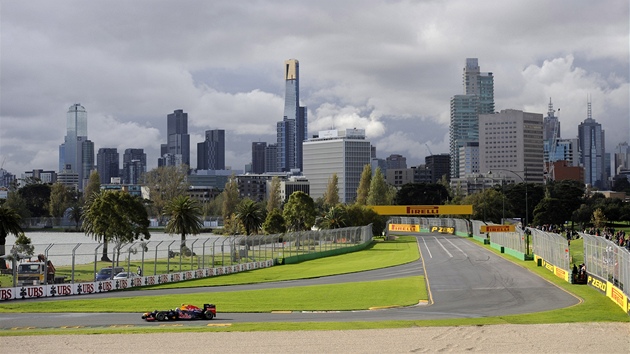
pixel 389 67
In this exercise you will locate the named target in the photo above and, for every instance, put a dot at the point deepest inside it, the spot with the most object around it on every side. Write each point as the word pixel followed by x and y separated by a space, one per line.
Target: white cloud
pixel 387 67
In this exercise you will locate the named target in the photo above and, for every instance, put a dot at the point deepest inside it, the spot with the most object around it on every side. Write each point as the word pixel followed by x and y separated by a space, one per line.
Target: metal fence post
pixel 156 258
pixel 74 250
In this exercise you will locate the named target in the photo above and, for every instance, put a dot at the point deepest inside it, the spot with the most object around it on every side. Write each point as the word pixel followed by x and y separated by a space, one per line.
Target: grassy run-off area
pixel 349 296
pixel 594 306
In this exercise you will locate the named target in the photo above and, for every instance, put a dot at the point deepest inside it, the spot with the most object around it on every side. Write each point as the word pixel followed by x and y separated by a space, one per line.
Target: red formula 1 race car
pixel 184 312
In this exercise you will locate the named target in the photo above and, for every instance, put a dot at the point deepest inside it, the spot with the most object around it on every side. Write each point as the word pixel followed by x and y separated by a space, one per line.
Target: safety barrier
pixel 62 290
pixel 608 268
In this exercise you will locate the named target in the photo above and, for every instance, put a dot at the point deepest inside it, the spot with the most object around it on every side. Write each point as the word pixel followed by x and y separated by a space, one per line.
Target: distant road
pixel 465 281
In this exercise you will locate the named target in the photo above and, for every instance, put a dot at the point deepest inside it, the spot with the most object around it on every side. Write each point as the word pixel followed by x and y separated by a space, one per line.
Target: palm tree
pixel 250 215
pixel 184 215
pixel 335 218
pixel 9 224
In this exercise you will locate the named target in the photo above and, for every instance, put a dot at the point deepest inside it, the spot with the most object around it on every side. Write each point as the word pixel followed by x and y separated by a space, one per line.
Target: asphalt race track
pixel 465 281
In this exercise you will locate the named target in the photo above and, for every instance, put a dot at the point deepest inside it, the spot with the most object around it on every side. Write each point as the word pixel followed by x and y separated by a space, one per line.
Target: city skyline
pixel 388 68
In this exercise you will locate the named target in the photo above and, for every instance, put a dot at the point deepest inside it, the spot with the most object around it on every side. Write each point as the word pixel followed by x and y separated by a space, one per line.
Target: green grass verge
pixel 334 297
pixel 380 254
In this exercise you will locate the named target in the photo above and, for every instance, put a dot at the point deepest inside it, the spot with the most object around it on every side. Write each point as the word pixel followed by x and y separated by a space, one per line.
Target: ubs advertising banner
pixel 61 290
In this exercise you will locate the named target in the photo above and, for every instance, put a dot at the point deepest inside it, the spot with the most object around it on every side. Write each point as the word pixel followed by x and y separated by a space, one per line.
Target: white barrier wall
pixel 59 290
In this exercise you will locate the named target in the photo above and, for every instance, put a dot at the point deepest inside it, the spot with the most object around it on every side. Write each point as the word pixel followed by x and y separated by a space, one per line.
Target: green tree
pixel 361 215
pixel 76 212
pixel 299 212
pixel 549 211
pixel 274 223
pixel 599 219
pixel 165 183
pixel 274 201
pixel 37 197
pixel 421 194
pixel 93 186
pixel 60 199
pixel 115 216
pixel 9 225
pixel 487 205
pixel 379 191
pixel 230 197
pixel 250 215
pixel 334 218
pixel 17 203
pixel 24 245
pixel 184 218
pixel 364 185
pixel 331 197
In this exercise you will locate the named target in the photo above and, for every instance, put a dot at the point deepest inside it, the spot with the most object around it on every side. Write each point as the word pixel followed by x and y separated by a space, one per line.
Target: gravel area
pixel 554 338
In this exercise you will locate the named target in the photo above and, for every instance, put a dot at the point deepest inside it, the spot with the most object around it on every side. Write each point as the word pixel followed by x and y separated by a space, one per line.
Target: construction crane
pixel 428 148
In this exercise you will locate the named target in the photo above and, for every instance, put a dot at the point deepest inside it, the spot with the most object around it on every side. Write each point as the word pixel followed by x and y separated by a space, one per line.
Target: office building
pixel 76 154
pixel 211 152
pixel 512 140
pixel 398 177
pixel 176 151
pixel 622 158
pixel 271 158
pixel 395 161
pixel 134 166
pixel 439 165
pixel 258 157
pixel 344 153
pixel 293 129
pixel 477 98
pixel 468 159
pixel 107 164
pixel 591 140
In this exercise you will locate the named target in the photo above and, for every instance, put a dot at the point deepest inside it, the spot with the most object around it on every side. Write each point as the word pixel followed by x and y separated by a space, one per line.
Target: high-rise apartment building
pixel 591 140
pixel 107 164
pixel 258 157
pixel 293 129
pixel 76 154
pixel 344 153
pixel 211 152
pixel 177 148
pixel 468 159
pixel 478 98
pixel 512 140
pixel 134 166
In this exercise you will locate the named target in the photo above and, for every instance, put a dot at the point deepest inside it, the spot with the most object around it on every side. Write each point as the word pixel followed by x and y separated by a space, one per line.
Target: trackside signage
pixel 611 291
pixel 62 290
pixel 557 271
pixel 404 227
pixel 497 228
pixel 422 210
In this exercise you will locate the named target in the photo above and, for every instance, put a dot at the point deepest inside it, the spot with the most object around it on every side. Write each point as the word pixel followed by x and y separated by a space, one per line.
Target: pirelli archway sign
pixel 422 210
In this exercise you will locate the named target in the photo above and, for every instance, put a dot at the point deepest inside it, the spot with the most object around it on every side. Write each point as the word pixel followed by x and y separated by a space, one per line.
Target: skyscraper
pixel 271 158
pixel 551 134
pixel 211 152
pixel 478 98
pixel 177 147
pixel 258 157
pixel 134 165
pixel 293 129
pixel 76 154
pixel 591 141
pixel 107 164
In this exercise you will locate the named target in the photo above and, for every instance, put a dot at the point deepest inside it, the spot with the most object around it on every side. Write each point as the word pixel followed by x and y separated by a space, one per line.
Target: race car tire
pixel 161 316
pixel 208 315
